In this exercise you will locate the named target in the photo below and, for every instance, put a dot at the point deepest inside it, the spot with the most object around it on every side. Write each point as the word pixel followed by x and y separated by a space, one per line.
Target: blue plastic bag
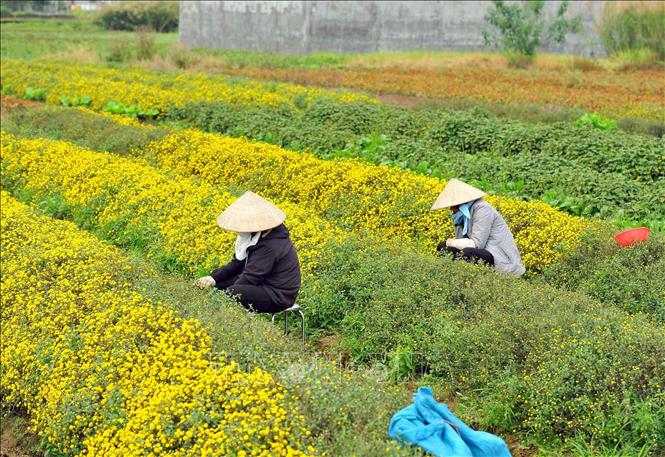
pixel 430 425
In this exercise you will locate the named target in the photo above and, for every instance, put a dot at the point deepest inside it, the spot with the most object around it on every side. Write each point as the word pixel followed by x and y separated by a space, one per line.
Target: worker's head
pixel 456 193
pixel 250 213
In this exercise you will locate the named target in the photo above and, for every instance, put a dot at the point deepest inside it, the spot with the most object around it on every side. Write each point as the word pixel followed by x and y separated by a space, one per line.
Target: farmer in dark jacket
pixel 264 273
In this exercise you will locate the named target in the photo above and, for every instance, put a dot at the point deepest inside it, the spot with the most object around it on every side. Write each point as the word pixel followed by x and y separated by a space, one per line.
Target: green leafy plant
pixel 597 121
pixel 38 94
pixel 132 110
pixel 518 30
pixel 401 363
pixel 84 100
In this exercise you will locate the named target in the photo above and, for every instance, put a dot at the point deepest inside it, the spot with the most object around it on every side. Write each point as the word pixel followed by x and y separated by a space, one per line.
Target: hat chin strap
pixel 265 232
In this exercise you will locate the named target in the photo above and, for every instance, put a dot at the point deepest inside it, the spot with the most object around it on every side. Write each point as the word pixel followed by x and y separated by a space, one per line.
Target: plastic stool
pixel 295 309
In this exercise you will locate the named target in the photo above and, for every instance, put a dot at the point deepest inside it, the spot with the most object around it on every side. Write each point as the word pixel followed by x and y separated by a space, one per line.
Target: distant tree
pixel 26 5
pixel 518 29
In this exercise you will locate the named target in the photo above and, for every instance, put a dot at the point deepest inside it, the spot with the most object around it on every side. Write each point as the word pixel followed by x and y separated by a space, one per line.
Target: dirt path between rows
pixel 9 446
pixel 408 101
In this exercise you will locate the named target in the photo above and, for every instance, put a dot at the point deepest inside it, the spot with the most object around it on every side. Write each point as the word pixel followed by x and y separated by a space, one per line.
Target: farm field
pixel 554 88
pixel 113 175
pixel 537 88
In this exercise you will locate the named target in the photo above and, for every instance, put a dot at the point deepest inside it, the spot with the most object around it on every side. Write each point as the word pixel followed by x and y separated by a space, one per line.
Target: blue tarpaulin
pixel 430 425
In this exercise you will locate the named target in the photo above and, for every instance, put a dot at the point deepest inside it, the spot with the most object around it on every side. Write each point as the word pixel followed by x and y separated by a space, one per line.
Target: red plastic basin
pixel 632 236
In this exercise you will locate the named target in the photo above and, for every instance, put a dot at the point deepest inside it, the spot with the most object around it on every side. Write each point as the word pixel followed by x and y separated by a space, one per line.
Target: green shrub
pixel 597 121
pixel 635 27
pixel 145 44
pixel 517 29
pixel 95 132
pixel 119 51
pixel 630 278
pixel 605 152
pixel 160 16
pixel 477 332
pixel 555 397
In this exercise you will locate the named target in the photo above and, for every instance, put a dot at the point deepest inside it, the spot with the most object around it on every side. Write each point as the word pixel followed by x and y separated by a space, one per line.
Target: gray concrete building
pixel 303 27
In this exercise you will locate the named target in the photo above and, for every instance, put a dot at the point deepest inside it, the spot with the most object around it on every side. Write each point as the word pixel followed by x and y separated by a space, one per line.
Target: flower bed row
pixel 137 205
pixel 579 169
pixel 149 90
pixel 388 202
pixel 531 349
pixel 102 370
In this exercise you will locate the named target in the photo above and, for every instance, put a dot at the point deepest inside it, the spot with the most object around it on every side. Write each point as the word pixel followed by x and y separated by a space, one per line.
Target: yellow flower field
pixel 153 90
pixel 104 371
pixel 387 202
pixel 139 199
pixel 319 195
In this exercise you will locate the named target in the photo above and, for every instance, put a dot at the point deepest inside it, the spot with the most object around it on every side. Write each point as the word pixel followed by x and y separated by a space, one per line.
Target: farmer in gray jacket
pixel 481 234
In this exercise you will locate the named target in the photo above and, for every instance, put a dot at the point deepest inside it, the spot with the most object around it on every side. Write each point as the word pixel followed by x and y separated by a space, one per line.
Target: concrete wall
pixel 302 27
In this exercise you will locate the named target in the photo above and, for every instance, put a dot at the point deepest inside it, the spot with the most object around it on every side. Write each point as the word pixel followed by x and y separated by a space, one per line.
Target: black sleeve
pixel 231 269
pixel 259 264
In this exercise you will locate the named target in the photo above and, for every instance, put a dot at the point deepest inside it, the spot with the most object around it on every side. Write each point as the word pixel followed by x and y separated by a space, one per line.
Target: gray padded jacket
pixel 489 231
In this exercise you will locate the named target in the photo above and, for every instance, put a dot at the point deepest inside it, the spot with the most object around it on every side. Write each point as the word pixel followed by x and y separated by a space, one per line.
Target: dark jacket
pixel 271 263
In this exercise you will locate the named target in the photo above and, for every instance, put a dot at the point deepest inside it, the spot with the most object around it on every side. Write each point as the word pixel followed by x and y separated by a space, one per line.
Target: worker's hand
pixel 205 282
pixel 461 243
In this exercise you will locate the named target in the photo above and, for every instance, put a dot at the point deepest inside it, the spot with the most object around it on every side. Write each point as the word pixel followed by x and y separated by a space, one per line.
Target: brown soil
pixel 9 104
pixel 330 346
pixel 516 450
pixel 9 446
pixel 327 342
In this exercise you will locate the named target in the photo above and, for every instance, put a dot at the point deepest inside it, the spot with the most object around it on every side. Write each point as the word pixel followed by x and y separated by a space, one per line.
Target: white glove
pixel 205 282
pixel 460 243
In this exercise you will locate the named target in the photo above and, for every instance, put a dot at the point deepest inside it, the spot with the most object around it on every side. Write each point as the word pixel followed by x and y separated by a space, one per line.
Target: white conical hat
pixel 455 193
pixel 250 213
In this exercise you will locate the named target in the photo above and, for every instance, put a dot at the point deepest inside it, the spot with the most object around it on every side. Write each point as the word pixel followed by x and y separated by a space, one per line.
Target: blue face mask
pixel 463 216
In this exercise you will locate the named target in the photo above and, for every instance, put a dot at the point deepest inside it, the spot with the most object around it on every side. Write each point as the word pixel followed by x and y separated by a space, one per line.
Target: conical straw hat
pixel 455 193
pixel 250 213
